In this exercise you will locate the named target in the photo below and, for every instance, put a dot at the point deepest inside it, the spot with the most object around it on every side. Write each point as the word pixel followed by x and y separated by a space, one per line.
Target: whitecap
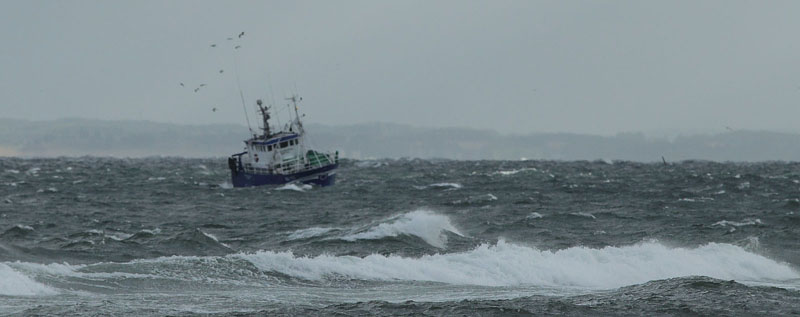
pixel 425 224
pixel 512 172
pixel 226 185
pixel 213 237
pixel 309 233
pixel 507 264
pixel 583 214
pixel 744 185
pixel 448 186
pixel 15 283
pixel 745 222
pixel 534 215
pixel 118 236
pixel 295 187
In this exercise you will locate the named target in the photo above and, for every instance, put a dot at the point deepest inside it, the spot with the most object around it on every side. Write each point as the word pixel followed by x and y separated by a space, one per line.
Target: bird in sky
pixel 202 85
pixel 221 71
pixel 182 85
pixel 241 34
pixel 214 109
pixel 196 89
pixel 237 47
pixel 213 45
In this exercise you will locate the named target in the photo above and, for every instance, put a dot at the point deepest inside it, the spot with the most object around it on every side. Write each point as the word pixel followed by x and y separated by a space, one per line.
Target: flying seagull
pixel 237 47
pixel 196 89
pixel 241 34
pixel 182 85
pixel 214 109
pixel 230 38
pixel 202 85
pixel 221 71
pixel 213 45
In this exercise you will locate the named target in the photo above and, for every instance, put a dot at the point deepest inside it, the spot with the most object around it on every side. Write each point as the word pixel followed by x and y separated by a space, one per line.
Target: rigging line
pixel 241 94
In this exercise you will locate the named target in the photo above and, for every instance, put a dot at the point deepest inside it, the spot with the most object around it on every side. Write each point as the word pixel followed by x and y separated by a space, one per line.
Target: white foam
pixel 12 171
pixel 24 227
pixel 156 178
pixel 584 214
pixel 372 164
pixel 424 224
pixel 309 233
pixel 745 222
pixel 506 264
pixel 744 185
pixel 66 269
pixel 119 236
pixel 213 237
pixel 153 232
pixel 449 186
pixel 534 215
pixel 14 283
pixel 295 187
pixel 226 185
pixel 512 172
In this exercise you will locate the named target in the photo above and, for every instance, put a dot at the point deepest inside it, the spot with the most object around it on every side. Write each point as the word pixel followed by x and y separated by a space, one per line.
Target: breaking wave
pixel 501 264
pixel 309 233
pixel 424 224
pixel 745 222
pixel 507 264
pixel 13 283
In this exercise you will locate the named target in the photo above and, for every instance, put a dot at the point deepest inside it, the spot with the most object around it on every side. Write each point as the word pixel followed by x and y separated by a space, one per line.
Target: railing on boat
pixel 295 165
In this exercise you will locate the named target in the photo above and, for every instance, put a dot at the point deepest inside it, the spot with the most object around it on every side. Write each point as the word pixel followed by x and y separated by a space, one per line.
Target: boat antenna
pixel 239 85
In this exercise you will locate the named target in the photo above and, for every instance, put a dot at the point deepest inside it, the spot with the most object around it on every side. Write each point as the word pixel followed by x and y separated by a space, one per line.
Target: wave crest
pixel 506 264
pixel 15 283
pixel 425 224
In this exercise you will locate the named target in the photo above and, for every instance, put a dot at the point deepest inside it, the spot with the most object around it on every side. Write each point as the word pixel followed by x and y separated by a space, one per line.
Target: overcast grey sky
pixel 598 67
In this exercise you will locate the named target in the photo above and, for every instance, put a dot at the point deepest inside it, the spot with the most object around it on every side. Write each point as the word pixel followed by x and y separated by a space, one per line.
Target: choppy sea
pixel 170 236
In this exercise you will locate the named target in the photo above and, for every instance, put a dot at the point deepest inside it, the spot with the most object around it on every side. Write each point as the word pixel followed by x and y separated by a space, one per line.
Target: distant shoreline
pixel 137 139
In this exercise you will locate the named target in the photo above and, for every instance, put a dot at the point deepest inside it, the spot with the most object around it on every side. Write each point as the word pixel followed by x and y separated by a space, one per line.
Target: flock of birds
pixel 213 45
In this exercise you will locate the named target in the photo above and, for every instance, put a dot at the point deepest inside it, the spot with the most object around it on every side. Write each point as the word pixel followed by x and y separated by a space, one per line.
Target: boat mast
pixel 265 117
pixel 295 98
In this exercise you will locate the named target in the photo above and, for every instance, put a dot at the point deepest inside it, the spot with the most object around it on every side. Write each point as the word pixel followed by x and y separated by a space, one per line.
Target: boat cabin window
pixel 284 144
pixel 269 147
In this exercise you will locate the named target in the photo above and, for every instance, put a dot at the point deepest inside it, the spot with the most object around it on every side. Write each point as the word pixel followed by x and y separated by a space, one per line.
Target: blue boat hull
pixel 323 176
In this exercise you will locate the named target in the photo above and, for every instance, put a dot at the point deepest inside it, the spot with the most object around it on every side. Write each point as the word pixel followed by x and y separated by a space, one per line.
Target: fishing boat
pixel 281 157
